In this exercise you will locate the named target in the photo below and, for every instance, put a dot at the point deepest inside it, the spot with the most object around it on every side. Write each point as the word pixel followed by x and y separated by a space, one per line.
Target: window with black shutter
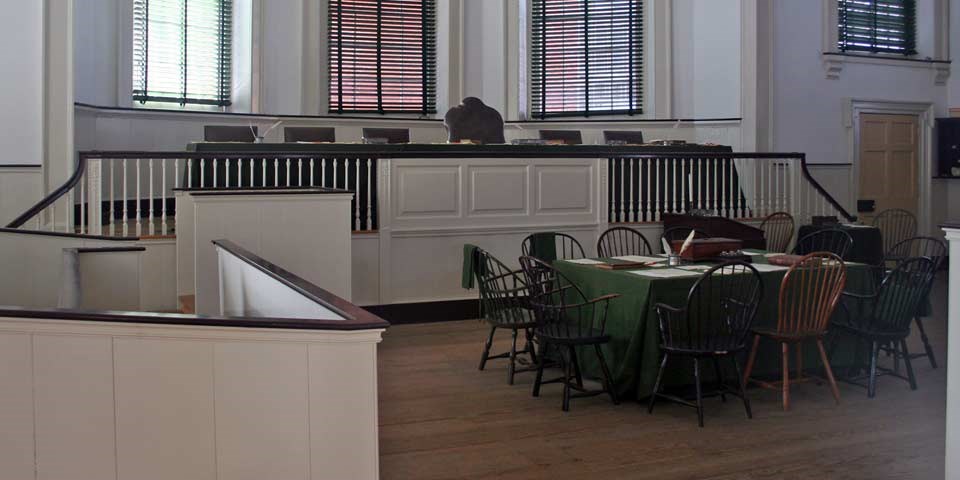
pixel 182 51
pixel 878 26
pixel 586 57
pixel 382 56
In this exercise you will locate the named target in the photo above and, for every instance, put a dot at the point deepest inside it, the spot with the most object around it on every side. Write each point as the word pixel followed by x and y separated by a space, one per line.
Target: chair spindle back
pixel 809 293
pixel 618 241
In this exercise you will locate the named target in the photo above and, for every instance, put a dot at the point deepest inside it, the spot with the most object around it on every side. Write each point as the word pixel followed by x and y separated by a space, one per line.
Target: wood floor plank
pixel 441 418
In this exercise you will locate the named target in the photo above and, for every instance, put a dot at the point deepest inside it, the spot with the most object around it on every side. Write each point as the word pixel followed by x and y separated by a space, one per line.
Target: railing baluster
pixel 138 211
pixel 323 172
pixel 111 225
pixel 732 199
pixel 203 164
pixel 251 183
pixel 334 173
pixel 356 193
pixel 176 173
pixel 311 173
pixel 623 193
pixel 276 172
pixel 83 198
pixel 126 198
pixel 263 178
pixel 630 193
pixel 150 213
pixel 673 187
pixel 163 197
pixel 288 172
pixel 699 165
pixel 214 173
pixel 299 172
pixel 369 189
pixel 656 193
pixel 716 189
pixel 649 209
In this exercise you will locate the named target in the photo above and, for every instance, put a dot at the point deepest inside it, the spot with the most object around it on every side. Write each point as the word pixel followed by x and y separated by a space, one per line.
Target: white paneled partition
pixel 953 353
pixel 135 401
pixel 304 231
pixel 436 205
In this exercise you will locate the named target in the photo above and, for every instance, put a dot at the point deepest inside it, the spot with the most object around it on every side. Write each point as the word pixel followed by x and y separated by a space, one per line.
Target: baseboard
pixel 427 312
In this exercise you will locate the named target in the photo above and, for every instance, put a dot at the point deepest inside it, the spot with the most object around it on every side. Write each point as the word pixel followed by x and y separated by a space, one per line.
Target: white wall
pixel 21 85
pixel 706 59
pixel 96 52
pixel 20 189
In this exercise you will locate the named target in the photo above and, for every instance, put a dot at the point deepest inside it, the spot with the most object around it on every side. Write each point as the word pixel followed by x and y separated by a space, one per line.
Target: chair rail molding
pixel 924 111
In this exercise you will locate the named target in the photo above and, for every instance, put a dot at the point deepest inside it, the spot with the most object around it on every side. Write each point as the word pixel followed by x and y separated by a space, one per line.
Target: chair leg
pixel 786 376
pixel 872 384
pixel 656 385
pixel 576 366
pixel 513 356
pixel 486 348
pixel 752 358
pixel 566 385
pixel 926 343
pixel 906 361
pixel 829 371
pixel 741 383
pixel 799 347
pixel 539 380
pixel 896 356
pixel 696 377
pixel 720 386
pixel 531 350
pixel 607 378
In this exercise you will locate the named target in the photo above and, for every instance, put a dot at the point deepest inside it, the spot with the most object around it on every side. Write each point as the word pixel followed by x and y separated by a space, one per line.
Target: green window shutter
pixel 182 51
pixel 586 58
pixel 382 56
pixel 878 26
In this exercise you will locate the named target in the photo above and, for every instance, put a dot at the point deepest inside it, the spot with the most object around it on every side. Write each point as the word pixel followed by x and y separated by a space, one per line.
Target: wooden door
pixel 888 163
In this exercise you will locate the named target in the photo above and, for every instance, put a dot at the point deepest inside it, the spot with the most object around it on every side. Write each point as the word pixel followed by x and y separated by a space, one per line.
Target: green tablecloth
pixel 634 354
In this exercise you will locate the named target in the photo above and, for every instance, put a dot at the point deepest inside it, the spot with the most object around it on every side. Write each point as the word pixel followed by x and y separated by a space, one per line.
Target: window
pixel 382 56
pixel 878 26
pixel 182 51
pixel 586 57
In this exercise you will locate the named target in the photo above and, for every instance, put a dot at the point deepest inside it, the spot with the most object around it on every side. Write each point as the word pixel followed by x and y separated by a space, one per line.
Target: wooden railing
pixel 734 185
pixel 132 193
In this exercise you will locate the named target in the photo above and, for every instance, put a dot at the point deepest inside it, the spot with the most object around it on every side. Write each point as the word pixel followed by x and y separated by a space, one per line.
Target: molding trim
pixel 924 111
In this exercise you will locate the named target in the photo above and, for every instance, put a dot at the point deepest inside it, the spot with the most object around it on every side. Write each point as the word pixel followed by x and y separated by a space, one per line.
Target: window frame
pixel 430 73
pixel 909 52
pixel 643 97
pixel 226 62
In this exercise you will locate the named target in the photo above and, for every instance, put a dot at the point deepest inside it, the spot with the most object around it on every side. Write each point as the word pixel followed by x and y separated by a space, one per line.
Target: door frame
pixel 924 112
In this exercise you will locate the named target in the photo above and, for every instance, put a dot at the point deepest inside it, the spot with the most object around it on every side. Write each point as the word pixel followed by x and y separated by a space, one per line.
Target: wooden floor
pixel 441 418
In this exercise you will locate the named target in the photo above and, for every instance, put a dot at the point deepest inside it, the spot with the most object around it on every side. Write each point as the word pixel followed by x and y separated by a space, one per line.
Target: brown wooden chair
pixel 618 241
pixel 896 225
pixel 778 231
pixel 568 137
pixel 809 293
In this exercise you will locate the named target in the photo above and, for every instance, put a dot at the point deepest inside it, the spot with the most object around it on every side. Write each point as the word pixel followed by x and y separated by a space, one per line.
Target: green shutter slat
pixel 586 57
pixel 182 51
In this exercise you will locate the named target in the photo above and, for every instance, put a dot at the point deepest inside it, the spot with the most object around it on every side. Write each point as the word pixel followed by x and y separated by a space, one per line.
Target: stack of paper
pixel 639 259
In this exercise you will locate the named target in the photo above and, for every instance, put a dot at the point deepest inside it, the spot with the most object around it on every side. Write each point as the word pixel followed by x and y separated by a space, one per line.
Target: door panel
pixel 888 162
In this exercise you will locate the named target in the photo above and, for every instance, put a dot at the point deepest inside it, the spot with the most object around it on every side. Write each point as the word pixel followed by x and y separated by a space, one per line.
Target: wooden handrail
pixel 53 196
pixel 422 150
